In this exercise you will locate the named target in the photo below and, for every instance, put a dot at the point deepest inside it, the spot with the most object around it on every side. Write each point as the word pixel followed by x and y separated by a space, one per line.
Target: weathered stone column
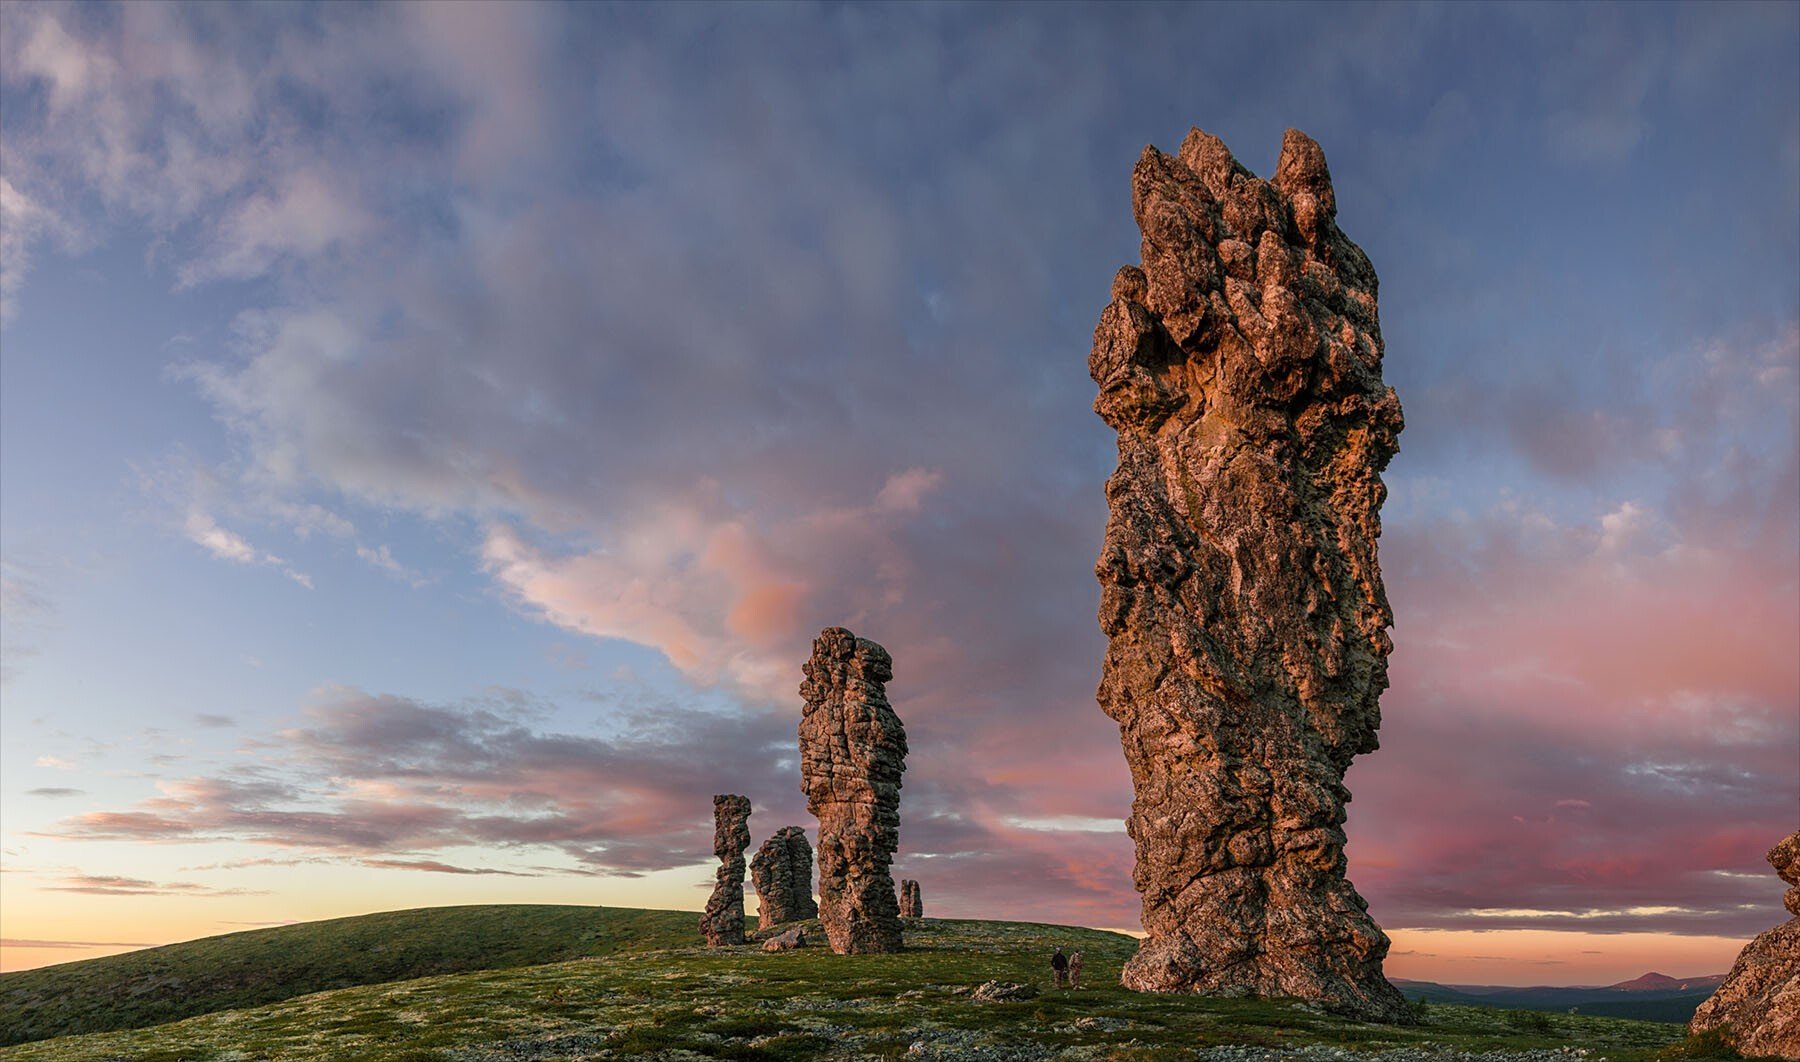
pixel 723 922
pixel 782 873
pixel 1758 1003
pixel 1240 595
pixel 852 753
pixel 910 904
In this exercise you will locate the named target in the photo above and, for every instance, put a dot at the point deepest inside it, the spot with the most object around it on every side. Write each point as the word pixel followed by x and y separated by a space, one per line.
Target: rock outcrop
pixel 1003 992
pixel 852 753
pixel 723 922
pixel 788 941
pixel 911 906
pixel 1757 1006
pixel 782 874
pixel 1247 624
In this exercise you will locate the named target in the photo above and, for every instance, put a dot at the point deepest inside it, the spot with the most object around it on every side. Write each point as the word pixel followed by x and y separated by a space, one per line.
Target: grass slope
pixel 159 985
pixel 690 1001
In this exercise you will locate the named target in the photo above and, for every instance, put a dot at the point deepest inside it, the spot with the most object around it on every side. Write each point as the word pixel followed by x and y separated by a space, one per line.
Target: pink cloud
pixel 727 596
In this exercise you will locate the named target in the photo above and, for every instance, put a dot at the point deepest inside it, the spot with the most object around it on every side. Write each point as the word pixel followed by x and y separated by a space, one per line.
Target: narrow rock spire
pixel 723 922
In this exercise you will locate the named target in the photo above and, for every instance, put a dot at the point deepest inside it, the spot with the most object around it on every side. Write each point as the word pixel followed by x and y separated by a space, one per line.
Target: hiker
pixel 1075 970
pixel 1059 965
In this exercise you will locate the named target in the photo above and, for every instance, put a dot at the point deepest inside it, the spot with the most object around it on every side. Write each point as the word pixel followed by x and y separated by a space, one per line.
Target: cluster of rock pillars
pixel 852 754
pixel 1240 365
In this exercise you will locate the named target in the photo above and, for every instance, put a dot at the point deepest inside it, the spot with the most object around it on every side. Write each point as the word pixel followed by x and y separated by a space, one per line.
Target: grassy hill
pixel 159 985
pixel 649 990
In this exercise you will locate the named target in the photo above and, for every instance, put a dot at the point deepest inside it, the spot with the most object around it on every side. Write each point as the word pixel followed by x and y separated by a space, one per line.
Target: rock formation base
pixel 1757 1006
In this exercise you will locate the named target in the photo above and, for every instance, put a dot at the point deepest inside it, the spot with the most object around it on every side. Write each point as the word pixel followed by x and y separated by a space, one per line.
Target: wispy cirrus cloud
pixel 226 545
pixel 435 867
pixel 114 885
pixel 21 942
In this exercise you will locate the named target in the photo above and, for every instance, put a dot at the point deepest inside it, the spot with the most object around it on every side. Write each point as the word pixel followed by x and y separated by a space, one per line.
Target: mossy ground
pixel 744 1003
pixel 259 966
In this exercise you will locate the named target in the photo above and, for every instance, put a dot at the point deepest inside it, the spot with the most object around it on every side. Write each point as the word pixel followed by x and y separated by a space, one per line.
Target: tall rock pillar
pixel 852 753
pixel 1240 595
pixel 723 922
pixel 911 904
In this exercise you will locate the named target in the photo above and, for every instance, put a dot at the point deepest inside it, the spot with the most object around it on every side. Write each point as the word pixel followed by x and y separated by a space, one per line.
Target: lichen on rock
pixel 1247 625
pixel 852 754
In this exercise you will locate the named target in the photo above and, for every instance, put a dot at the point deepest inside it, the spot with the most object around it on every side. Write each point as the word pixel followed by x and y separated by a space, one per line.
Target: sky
pixel 431 435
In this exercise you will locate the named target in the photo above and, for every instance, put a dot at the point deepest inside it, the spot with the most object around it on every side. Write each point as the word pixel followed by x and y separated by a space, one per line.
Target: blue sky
pixel 431 434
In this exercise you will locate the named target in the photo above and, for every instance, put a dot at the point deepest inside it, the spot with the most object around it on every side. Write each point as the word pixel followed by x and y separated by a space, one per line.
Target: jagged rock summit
pixel 1758 1004
pixel 852 753
pixel 723 922
pixel 782 874
pixel 1240 595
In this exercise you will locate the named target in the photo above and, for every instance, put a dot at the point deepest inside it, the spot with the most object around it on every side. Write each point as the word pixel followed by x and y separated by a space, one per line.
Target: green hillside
pixel 651 991
pixel 159 985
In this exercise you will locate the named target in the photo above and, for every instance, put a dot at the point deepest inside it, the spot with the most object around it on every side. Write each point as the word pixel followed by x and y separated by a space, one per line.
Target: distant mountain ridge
pixel 1651 997
pixel 1655 982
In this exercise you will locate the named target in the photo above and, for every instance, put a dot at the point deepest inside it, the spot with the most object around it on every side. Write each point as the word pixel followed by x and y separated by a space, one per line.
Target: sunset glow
pixel 431 436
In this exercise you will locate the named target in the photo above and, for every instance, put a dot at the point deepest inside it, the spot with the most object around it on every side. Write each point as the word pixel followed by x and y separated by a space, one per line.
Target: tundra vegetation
pixel 509 982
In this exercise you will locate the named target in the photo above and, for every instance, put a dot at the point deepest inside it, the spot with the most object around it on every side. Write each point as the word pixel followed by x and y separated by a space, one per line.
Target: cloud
pixel 56 762
pixel 435 867
pixel 222 543
pixel 28 612
pixel 20 942
pixel 415 777
pixel 23 222
pixel 382 558
pixel 112 885
pixel 230 546
pixel 55 791
pixel 213 720
pixel 1604 721
pixel 723 599
pixel 307 217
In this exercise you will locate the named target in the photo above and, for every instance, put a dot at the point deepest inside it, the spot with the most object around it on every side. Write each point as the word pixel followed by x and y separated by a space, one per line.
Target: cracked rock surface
pixel 1758 1003
pixel 852 754
pixel 723 922
pixel 782 874
pixel 1240 593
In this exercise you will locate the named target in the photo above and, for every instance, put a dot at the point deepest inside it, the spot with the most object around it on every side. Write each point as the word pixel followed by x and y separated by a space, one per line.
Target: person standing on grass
pixel 1075 970
pixel 1059 965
